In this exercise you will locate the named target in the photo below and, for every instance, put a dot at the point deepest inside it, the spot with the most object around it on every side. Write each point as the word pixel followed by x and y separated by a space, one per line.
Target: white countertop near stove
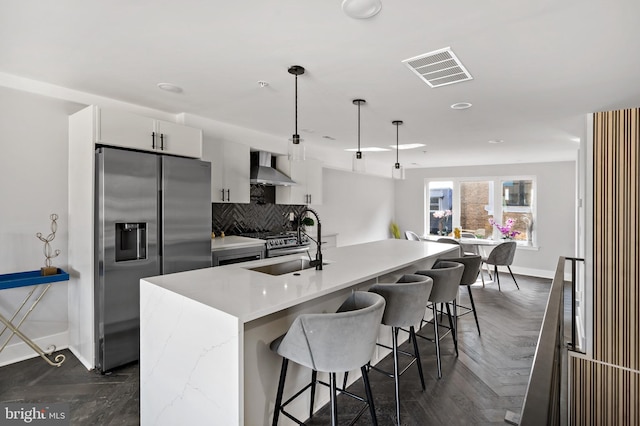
pixel 234 241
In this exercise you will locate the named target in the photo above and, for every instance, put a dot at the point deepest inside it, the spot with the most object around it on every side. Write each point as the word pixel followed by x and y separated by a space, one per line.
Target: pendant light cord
pixel 397 150
pixel 358 126
pixel 397 123
pixel 296 124
pixel 296 70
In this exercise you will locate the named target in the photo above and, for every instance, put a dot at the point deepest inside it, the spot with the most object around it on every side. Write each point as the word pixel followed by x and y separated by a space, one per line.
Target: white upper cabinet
pixel 128 130
pixel 308 176
pixel 177 139
pixel 230 163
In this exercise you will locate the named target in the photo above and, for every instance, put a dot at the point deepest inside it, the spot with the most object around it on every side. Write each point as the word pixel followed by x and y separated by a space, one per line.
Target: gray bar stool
pixel 472 265
pixel 406 301
pixel 446 280
pixel 332 343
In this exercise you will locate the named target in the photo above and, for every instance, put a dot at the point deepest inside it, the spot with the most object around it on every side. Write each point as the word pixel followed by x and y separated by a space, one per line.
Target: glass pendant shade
pixel 397 171
pixel 296 149
pixel 359 165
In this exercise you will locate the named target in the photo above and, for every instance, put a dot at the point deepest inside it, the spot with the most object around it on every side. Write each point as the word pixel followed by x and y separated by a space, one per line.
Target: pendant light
pixel 398 171
pixel 296 152
pixel 358 158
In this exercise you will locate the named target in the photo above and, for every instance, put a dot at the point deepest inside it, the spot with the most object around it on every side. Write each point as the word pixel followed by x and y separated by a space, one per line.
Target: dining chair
pixel 502 255
pixel 412 236
pixel 469 248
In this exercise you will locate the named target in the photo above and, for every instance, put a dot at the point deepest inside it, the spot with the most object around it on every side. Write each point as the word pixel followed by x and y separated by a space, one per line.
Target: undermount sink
pixel 281 268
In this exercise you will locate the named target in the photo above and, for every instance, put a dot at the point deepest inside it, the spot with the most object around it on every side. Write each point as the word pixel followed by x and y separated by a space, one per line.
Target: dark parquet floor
pixel 488 377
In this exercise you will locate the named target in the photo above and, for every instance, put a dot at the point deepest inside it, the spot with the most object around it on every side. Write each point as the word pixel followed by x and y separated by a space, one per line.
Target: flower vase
pixel 440 227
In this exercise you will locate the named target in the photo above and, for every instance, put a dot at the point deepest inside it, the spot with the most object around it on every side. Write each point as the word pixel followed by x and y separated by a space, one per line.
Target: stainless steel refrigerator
pixel 153 217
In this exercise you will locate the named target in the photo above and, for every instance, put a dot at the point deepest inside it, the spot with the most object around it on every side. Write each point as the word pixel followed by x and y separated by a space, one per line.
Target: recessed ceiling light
pixel 361 9
pixel 575 139
pixel 262 83
pixel 407 146
pixel 369 149
pixel 461 105
pixel 494 141
pixel 170 87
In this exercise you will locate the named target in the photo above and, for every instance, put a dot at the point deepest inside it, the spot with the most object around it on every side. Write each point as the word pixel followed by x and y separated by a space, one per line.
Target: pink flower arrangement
pixel 441 214
pixel 506 229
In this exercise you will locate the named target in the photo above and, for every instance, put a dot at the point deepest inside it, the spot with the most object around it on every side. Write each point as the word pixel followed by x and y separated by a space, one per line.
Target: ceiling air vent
pixel 438 68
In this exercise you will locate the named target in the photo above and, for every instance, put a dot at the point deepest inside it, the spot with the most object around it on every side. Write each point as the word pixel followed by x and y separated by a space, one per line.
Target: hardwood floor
pixel 488 377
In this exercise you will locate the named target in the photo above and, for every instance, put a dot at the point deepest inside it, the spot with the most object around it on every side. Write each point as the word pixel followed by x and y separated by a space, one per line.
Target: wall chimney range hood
pixel 263 171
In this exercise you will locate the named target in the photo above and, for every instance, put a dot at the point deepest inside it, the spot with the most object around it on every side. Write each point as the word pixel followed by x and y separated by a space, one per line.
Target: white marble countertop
pixel 248 295
pixel 234 241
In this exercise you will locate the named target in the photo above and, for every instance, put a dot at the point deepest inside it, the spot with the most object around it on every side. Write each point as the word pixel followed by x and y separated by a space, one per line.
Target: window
pixel 476 207
pixel 440 208
pixel 517 201
pixel 471 202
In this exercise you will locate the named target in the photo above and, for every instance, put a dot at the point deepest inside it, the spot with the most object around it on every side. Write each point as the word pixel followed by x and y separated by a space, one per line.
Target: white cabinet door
pixel 125 129
pixel 177 139
pixel 314 181
pixel 298 173
pixel 230 164
pixel 121 128
pixel 214 153
pixel 308 176
pixel 237 163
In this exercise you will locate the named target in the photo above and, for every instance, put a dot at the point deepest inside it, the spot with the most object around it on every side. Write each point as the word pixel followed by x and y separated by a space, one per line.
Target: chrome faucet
pixel 318 262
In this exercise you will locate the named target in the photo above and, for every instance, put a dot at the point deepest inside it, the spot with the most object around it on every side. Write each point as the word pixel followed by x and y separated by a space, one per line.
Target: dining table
pixel 470 245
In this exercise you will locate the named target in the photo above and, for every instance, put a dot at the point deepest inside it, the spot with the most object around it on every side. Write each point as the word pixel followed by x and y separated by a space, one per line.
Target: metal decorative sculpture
pixel 48 253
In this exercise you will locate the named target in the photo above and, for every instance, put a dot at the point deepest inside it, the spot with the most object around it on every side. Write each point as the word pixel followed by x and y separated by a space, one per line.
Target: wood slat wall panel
pixel 605 390
pixel 603 394
pixel 616 139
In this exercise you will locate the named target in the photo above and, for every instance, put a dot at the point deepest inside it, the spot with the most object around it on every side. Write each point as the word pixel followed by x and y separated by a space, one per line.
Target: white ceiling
pixel 538 67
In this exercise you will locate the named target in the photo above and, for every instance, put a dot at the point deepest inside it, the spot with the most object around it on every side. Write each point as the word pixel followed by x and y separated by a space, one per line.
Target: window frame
pixel 497 201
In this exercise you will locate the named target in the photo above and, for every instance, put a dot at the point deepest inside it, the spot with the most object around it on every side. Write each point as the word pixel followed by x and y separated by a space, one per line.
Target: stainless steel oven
pixel 281 243
pixel 237 255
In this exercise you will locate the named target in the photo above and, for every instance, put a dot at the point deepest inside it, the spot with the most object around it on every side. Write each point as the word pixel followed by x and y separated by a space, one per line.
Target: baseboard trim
pixel 88 365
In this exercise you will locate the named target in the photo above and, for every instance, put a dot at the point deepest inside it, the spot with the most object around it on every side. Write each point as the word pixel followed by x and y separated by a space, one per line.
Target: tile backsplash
pixel 262 214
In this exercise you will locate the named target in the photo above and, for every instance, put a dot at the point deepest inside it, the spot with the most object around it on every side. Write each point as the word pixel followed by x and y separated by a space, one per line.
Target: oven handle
pixel 286 251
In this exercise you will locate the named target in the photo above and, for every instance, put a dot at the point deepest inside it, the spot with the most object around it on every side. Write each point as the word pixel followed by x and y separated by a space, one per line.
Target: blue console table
pixel 40 284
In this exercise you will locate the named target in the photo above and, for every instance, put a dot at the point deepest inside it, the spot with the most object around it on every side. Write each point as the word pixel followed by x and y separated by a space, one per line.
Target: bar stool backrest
pixel 405 299
pixel 471 267
pixel 336 342
pixel 446 279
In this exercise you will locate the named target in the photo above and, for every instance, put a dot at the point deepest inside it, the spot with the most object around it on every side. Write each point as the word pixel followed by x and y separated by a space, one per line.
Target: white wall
pixel 358 207
pixel 33 184
pixel 556 207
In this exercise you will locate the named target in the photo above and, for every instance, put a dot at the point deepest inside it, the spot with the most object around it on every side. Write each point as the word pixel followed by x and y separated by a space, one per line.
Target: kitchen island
pixel 205 334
